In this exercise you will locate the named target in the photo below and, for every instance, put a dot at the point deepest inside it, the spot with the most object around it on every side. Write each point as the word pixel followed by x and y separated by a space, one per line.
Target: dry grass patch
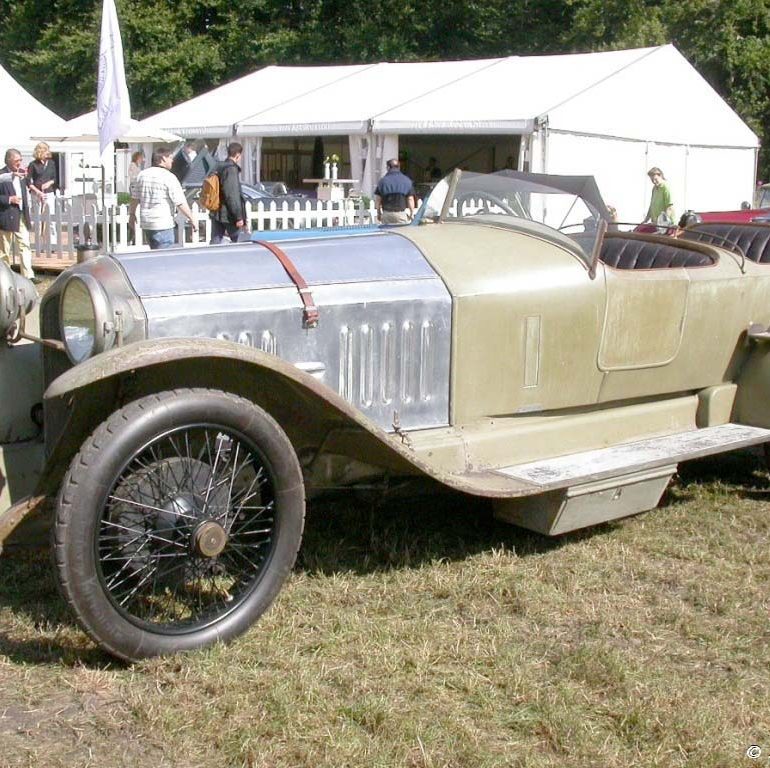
pixel 423 633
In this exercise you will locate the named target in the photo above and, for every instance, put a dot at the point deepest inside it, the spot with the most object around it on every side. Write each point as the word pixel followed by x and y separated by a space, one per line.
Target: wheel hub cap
pixel 209 539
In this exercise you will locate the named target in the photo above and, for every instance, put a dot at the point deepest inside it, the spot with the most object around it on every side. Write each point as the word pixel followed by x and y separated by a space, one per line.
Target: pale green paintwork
pixel 626 334
pixel 545 359
pixel 499 279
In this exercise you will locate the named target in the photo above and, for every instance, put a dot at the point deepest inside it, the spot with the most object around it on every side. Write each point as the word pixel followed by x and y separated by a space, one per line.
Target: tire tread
pixel 80 466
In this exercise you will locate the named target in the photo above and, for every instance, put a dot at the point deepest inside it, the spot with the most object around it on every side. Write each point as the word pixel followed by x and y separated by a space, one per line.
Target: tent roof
pixel 347 105
pixel 506 97
pixel 661 97
pixel 29 117
pixel 216 112
pixel 648 94
pixel 85 129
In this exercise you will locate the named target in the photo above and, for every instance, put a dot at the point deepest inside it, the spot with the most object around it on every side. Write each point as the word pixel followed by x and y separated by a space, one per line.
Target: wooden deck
pixel 56 260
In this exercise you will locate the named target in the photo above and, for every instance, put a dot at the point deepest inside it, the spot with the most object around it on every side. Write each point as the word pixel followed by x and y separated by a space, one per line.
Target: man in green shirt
pixel 661 201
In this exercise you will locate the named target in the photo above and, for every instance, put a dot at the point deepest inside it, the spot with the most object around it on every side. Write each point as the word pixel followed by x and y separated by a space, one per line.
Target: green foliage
pixel 175 51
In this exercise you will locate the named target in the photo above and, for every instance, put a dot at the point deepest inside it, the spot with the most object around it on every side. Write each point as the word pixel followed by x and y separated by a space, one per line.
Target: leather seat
pixel 621 253
pixel 752 239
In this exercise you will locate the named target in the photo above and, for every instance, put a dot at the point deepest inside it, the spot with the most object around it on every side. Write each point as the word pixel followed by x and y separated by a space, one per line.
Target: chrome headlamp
pixel 17 297
pixel 86 318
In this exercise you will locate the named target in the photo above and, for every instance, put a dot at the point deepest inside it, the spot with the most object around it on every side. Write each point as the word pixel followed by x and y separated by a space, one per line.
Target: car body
pixel 747 213
pixel 509 344
pixel 252 194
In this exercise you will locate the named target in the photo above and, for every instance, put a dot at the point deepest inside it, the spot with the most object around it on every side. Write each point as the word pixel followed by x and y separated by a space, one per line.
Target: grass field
pixel 422 633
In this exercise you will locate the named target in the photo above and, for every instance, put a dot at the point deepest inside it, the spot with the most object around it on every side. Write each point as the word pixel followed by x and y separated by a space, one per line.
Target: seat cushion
pixel 752 239
pixel 622 253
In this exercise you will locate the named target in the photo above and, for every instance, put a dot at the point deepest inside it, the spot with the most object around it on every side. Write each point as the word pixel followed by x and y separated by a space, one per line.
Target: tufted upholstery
pixel 752 239
pixel 622 253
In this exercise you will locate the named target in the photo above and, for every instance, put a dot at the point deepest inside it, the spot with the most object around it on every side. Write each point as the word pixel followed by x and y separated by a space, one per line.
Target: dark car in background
pixel 252 193
pixel 264 192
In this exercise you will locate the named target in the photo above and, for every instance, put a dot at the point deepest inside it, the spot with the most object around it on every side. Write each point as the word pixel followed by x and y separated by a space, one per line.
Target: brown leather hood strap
pixel 310 310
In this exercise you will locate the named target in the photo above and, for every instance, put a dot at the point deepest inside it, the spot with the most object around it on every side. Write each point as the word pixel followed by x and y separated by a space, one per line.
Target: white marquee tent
pixel 612 114
pixel 25 116
pixel 85 129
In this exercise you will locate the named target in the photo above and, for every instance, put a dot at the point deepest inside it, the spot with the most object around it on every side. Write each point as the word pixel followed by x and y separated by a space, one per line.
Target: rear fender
pixel 752 400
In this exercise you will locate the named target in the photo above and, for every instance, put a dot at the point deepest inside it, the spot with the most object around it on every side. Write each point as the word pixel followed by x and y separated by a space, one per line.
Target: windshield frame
pixel 511 191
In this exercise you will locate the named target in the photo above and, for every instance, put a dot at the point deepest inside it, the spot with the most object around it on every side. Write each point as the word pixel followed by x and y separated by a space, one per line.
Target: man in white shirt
pixel 159 196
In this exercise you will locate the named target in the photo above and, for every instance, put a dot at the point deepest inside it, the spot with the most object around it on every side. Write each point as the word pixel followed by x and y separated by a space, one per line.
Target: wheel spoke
pixel 152 564
pixel 149 535
pixel 150 507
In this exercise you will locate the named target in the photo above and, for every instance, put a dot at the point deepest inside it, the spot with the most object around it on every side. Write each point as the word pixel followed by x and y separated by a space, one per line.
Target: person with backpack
pixel 159 196
pixel 229 217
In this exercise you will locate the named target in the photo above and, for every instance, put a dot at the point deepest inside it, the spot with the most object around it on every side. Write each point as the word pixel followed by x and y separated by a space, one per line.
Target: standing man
pixel 394 194
pixel 432 171
pixel 661 201
pixel 14 214
pixel 231 217
pixel 183 160
pixel 159 196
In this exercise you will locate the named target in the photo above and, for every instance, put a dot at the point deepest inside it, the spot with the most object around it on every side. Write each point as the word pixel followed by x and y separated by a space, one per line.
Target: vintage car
pixel 508 344
pixel 744 215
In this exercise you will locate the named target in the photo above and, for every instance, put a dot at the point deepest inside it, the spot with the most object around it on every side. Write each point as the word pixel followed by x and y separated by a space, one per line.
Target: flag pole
pixel 113 105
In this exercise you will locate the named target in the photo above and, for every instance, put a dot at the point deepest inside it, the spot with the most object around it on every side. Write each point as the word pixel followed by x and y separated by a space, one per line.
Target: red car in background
pixel 745 215
pixel 761 211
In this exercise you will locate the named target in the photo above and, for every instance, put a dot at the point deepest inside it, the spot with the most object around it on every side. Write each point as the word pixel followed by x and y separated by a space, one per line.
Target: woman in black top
pixel 42 178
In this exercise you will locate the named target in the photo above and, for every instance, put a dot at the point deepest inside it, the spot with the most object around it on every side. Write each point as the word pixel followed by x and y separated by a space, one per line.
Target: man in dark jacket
pixel 182 161
pixel 394 195
pixel 231 216
pixel 14 214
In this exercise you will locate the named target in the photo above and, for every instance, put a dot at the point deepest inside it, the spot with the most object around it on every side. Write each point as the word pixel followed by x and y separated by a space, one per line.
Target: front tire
pixel 178 522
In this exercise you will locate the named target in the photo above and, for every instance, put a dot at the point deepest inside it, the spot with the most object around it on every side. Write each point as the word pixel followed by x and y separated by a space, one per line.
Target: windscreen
pixel 571 205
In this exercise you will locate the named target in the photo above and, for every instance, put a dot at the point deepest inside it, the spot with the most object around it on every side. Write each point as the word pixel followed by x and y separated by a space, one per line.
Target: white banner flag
pixel 113 106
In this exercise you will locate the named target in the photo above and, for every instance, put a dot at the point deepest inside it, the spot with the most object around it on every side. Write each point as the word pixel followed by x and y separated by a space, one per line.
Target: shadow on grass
pixel 348 532
pixel 743 472
pixel 43 631
pixel 364 535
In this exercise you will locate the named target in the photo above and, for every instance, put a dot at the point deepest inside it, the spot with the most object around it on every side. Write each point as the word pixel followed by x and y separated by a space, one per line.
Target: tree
pixel 175 51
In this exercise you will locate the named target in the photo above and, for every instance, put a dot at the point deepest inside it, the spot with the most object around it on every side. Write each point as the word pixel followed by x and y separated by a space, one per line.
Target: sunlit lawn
pixel 421 632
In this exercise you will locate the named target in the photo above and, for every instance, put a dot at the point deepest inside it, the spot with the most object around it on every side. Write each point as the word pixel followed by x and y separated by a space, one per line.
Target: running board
pixel 624 459
pixel 592 487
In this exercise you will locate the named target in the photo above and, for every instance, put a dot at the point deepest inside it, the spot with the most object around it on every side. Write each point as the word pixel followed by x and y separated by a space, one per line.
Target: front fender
pixel 315 418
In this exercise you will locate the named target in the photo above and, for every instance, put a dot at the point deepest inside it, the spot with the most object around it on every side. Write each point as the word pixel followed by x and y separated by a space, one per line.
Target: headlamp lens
pixel 78 319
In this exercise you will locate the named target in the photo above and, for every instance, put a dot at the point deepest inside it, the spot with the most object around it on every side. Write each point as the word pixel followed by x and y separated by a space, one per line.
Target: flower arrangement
pixel 330 166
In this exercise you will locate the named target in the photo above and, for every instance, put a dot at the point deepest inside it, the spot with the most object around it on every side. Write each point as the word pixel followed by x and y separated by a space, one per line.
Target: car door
pixel 644 318
pixel 671 330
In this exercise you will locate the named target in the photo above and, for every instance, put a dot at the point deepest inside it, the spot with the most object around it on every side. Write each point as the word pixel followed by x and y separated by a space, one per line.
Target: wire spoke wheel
pixel 178 522
pixel 187 528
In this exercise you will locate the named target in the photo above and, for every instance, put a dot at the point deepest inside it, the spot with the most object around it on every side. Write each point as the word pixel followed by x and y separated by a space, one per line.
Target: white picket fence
pixel 63 228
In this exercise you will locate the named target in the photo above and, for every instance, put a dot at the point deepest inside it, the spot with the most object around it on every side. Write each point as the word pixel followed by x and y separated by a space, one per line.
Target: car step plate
pixel 633 457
